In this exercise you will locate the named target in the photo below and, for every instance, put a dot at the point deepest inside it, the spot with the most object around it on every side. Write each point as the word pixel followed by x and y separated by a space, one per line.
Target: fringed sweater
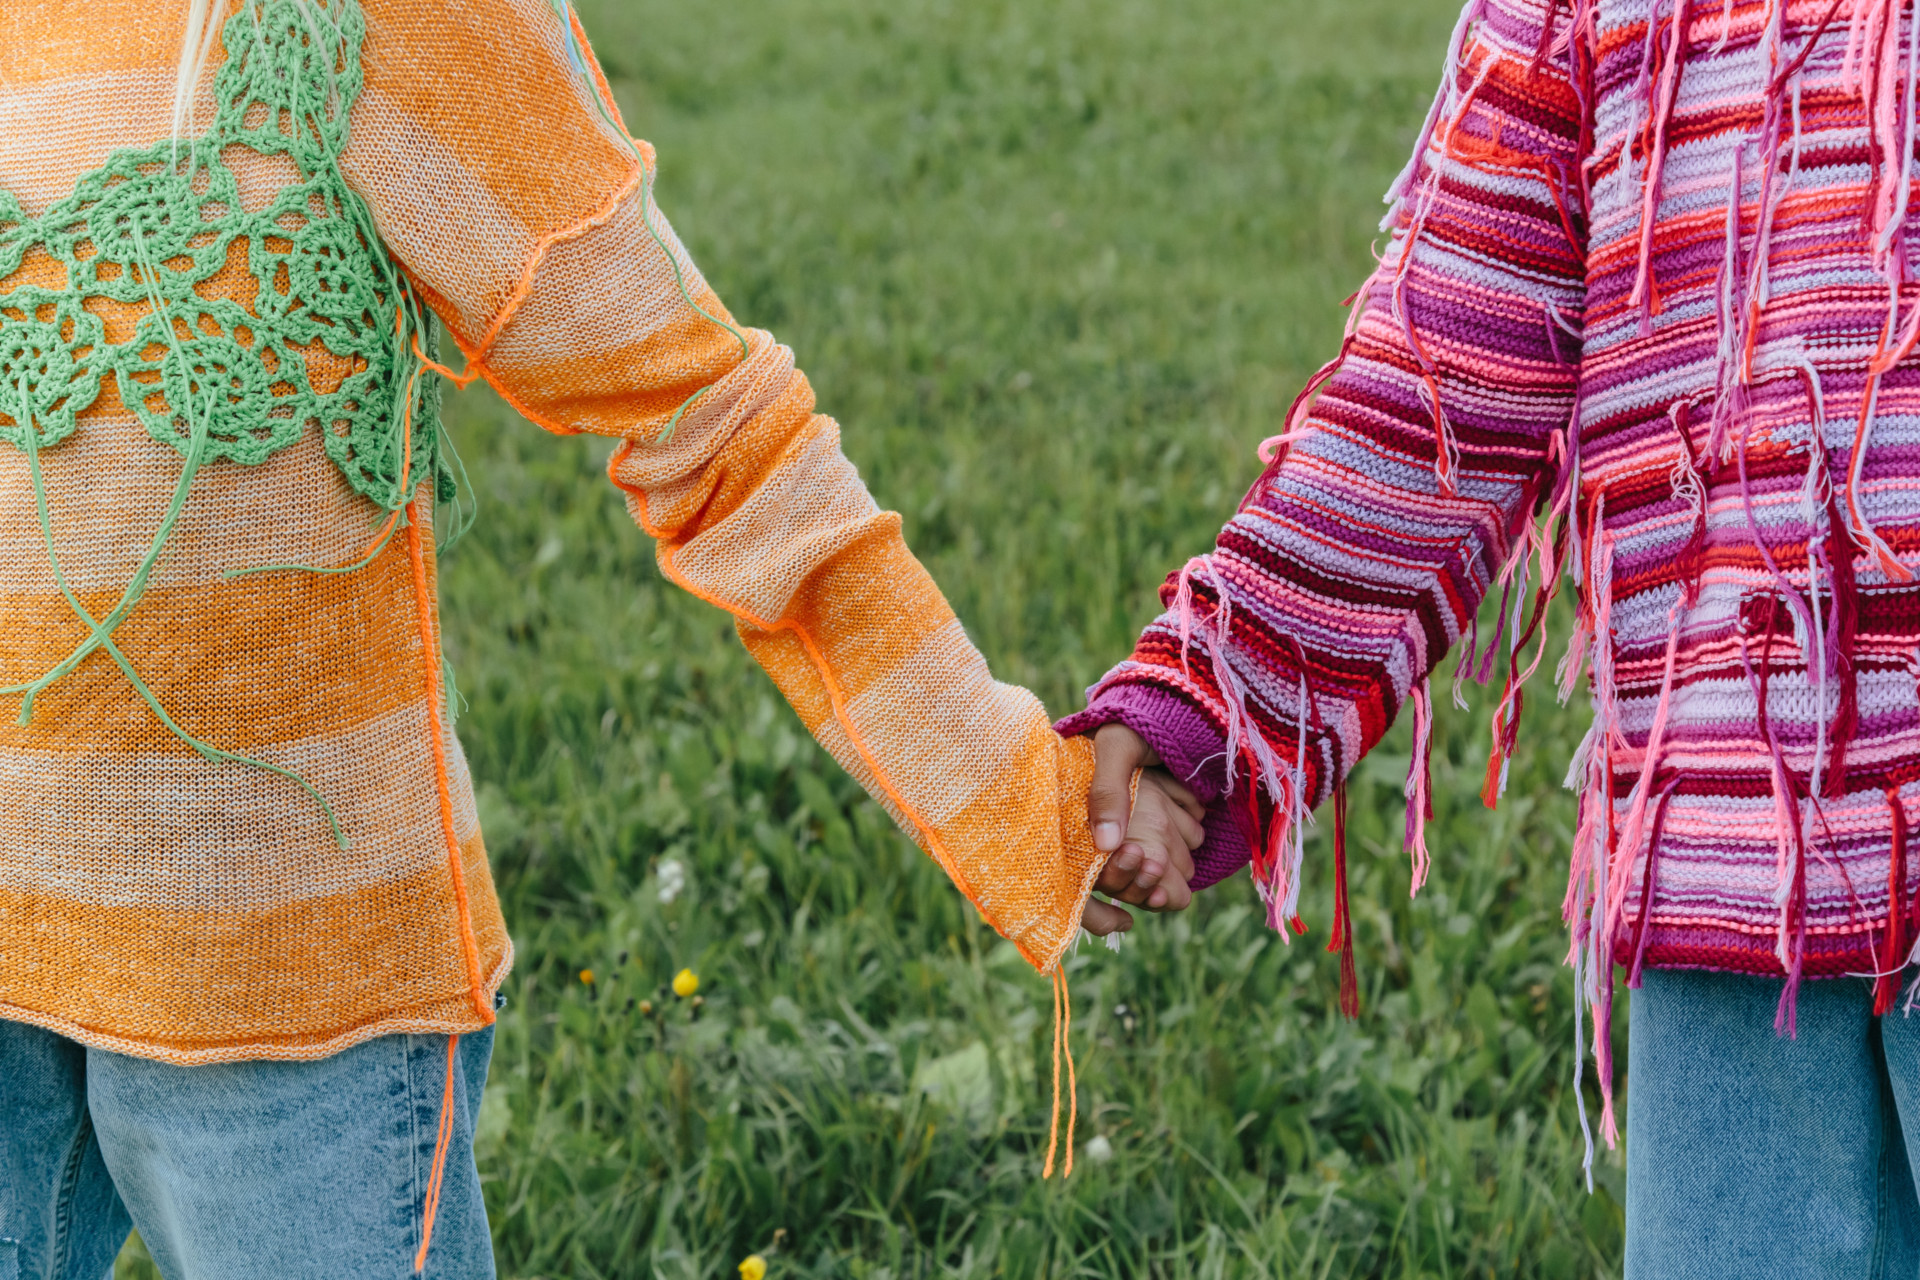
pixel 234 818
pixel 1644 325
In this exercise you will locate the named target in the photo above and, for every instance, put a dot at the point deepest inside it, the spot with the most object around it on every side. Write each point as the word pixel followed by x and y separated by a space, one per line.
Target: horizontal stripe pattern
pixel 1513 288
pixel 155 902
pixel 759 512
pixel 109 484
pixel 212 836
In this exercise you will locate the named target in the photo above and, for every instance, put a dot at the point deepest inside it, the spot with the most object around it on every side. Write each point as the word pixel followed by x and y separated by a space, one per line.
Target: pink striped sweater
pixel 1644 325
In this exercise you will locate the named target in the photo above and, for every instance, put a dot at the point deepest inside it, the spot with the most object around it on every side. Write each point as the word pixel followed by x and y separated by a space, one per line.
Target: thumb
pixel 1117 752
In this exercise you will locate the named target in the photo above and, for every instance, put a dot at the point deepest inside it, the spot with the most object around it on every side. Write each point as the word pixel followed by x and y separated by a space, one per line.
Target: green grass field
pixel 1056 269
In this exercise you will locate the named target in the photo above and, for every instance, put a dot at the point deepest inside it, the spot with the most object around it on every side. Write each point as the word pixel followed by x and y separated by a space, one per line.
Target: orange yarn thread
pixel 442 1142
pixel 1062 1044
pixel 470 950
pixel 1053 1133
pixel 523 289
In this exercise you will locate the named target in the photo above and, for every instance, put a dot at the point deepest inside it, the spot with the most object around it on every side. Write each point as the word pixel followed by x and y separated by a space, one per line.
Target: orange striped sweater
pixel 235 821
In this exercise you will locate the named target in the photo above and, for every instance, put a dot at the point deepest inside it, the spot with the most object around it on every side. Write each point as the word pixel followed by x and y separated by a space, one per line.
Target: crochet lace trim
pixel 154 225
pixel 330 341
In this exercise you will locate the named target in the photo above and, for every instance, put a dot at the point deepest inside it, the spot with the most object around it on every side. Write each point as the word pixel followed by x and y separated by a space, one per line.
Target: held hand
pixel 1150 842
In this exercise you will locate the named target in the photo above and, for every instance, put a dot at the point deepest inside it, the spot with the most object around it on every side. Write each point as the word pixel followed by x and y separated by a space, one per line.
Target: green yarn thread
pixel 100 633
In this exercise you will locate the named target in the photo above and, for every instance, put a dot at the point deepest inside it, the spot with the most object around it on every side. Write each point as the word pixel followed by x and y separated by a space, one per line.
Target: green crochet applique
pixel 324 345
pixel 321 333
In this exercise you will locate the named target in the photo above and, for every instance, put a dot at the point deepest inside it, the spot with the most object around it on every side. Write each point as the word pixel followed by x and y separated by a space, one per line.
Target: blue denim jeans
pixel 1753 1155
pixel 238 1171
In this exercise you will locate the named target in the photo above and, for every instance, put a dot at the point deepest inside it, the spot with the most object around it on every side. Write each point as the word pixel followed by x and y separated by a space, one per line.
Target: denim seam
pixel 63 1201
pixel 1877 1268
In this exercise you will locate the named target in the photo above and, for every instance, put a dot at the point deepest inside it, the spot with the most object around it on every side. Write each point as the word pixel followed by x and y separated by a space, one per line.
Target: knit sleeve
pixel 1408 487
pixel 488 145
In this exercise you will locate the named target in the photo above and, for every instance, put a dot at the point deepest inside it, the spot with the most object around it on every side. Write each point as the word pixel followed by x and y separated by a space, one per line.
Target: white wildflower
pixel 673 879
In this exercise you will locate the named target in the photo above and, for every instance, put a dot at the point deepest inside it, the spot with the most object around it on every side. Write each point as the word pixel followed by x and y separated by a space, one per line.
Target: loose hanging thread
pixel 1342 939
pixel 1062 1046
pixel 1893 953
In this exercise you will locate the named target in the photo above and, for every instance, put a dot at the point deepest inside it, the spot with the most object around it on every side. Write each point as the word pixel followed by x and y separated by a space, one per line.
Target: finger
pixel 1101 919
pixel 1181 794
pixel 1154 863
pixel 1120 868
pixel 1154 846
pixel 1186 826
pixel 1117 752
pixel 1149 758
pixel 1119 871
pixel 1156 804
pixel 1160 826
pixel 1153 869
pixel 1157 820
pixel 1172 895
pixel 1182 861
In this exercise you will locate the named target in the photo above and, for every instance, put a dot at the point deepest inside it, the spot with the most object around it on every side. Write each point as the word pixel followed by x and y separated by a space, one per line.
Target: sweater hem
pixel 266 1050
pixel 1721 950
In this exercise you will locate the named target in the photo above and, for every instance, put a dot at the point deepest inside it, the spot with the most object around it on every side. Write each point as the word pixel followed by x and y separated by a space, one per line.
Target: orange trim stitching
pixel 430 659
pixel 524 289
pixel 514 402
pixel 544 421
pixel 837 698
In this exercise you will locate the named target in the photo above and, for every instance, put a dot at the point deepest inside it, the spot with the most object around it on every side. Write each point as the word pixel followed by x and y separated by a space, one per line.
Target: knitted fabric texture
pixel 236 822
pixel 1644 322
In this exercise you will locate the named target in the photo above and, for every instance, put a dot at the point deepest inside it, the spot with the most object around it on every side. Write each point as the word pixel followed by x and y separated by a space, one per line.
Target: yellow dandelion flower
pixel 753 1268
pixel 685 983
pixel 586 977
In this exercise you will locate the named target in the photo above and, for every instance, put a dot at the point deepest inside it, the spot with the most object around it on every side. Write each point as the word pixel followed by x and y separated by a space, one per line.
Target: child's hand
pixel 1150 843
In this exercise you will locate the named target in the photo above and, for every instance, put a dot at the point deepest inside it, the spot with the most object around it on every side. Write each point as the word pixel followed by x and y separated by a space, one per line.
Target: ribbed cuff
pixel 1190 748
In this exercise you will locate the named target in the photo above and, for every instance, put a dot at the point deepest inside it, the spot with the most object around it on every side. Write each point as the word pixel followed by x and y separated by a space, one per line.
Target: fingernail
pixel 1157 899
pixel 1106 836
